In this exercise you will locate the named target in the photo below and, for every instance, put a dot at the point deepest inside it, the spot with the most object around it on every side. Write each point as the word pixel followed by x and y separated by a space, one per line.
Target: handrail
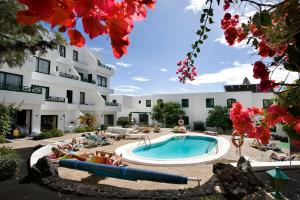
pixel 111 104
pixel 103 65
pixel 56 99
pixel 217 148
pixel 20 88
pixel 70 76
pixel 88 81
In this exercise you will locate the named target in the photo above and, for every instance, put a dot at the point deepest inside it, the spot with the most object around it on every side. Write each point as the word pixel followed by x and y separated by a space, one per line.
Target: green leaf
pixel 265 18
pixel 210 12
pixel 210 20
pixel 205 37
pixel 207 29
pixel 195 55
pixel 198 50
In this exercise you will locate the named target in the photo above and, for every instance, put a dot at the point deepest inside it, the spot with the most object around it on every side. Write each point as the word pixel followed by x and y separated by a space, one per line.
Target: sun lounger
pixel 95 140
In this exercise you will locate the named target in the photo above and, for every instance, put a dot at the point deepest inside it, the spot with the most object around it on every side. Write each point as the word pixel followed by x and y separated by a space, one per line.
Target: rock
pixel 43 168
pixel 236 182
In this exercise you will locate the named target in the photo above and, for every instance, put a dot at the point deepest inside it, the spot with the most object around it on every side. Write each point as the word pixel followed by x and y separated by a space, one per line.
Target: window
pixel 267 103
pixel 62 50
pixel 140 101
pixel 101 81
pixel 148 103
pixel 11 81
pixel 114 101
pixel 186 120
pixel 210 103
pixel 75 55
pixel 230 102
pixel 184 103
pixel 82 98
pixel 159 101
pixel 42 66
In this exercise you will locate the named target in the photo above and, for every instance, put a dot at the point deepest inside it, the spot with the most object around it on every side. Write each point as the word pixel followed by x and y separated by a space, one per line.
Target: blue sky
pixel 163 38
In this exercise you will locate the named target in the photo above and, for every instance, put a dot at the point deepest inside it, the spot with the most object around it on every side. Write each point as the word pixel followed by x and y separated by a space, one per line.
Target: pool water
pixel 177 147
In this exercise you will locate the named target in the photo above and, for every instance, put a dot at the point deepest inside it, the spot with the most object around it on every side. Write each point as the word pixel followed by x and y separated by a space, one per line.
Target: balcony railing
pixel 88 81
pixel 111 104
pixel 56 99
pixel 70 76
pixel 19 88
pixel 103 65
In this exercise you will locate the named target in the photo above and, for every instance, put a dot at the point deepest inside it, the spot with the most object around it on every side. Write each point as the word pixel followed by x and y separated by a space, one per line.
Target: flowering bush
pixel 110 17
pixel 256 122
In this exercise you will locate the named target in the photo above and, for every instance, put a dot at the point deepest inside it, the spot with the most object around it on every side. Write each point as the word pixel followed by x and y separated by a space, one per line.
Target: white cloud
pixel 126 88
pixel 236 74
pixel 184 90
pixel 140 78
pixel 173 79
pixel 163 69
pixel 196 5
pixel 122 64
pixel 97 49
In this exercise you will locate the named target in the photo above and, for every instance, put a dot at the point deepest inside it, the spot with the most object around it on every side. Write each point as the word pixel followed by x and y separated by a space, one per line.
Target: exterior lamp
pixel 278 180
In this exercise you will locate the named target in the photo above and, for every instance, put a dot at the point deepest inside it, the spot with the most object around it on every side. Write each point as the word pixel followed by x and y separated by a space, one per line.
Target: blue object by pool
pixel 177 147
pixel 127 173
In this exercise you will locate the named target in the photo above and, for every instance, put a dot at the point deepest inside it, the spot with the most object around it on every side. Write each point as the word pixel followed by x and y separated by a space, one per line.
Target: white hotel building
pixel 55 89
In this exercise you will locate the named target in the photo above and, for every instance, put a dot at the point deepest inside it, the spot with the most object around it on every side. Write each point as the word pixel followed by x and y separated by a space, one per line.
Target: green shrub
pixel 88 129
pixel 79 130
pixel 8 162
pixel 56 133
pixel 199 126
pixel 48 134
pixel 2 139
pixel 123 121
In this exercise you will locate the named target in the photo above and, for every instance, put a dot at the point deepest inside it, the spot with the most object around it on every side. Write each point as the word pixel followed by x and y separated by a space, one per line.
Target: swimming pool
pixel 175 150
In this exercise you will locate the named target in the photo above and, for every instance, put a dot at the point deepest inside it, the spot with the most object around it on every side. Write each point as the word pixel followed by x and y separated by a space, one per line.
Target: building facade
pixel 55 89
pixel 195 105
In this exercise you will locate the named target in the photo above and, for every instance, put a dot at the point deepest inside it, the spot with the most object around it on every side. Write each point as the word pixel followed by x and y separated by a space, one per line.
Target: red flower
pixel 266 85
pixel 226 5
pixel 297 127
pixel 76 38
pixel 231 35
pixel 227 16
pixel 260 71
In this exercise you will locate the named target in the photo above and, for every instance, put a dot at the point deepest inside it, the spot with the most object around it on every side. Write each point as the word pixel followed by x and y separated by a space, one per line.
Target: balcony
pixel 70 76
pixel 103 65
pixel 56 99
pixel 111 104
pixel 19 88
pixel 88 81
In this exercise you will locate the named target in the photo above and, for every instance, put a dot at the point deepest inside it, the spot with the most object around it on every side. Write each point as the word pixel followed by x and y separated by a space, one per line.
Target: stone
pixel 236 182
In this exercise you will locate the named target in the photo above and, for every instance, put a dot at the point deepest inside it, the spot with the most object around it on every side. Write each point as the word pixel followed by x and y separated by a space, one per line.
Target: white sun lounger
pixel 263 166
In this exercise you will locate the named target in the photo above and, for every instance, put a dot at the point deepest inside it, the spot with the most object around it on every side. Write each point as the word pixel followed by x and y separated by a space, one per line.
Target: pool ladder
pixel 217 147
pixel 145 139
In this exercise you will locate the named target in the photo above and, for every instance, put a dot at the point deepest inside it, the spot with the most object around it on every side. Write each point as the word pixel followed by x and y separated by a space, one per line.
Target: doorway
pixel 143 119
pixel 23 121
pixel 109 120
pixel 48 122
pixel 70 96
